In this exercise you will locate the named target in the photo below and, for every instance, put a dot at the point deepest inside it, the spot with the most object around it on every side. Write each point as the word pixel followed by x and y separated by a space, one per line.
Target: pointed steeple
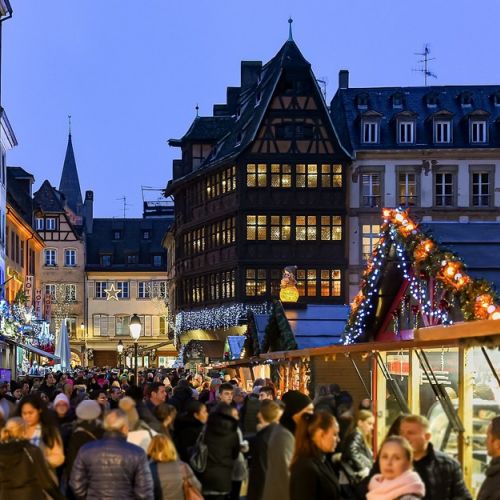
pixel 70 184
pixel 290 36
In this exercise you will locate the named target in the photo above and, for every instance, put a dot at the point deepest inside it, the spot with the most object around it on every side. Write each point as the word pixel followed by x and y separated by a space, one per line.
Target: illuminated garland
pixel 215 318
pixel 419 258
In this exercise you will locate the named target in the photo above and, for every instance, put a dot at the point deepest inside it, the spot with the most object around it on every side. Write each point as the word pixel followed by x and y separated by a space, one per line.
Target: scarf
pixel 408 483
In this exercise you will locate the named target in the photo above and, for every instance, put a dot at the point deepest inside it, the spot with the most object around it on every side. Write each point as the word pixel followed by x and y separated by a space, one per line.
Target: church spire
pixel 70 184
pixel 290 35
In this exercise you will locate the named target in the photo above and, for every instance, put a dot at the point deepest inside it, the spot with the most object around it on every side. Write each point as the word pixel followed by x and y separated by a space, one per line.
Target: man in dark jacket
pixel 440 473
pixel 490 490
pixel 111 468
pixel 268 416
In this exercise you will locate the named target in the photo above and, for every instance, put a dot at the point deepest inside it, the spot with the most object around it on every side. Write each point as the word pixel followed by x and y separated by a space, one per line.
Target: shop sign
pixel 398 364
pixel 28 290
pixel 48 307
pixel 38 303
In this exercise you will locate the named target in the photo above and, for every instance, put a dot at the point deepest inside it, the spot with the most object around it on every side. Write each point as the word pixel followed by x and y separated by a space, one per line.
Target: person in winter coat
pixel 357 455
pixel 221 439
pixel 490 490
pixel 41 429
pixel 166 414
pixel 87 428
pixel 281 446
pixel 268 416
pixel 187 428
pixel 183 395
pixel 24 474
pixel 239 473
pixel 440 473
pixel 311 472
pixel 139 433
pixel 169 473
pixel 111 468
pixel 396 480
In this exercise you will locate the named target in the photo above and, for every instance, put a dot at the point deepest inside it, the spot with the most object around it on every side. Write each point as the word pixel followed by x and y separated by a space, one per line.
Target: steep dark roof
pixel 251 105
pixel 209 128
pixel 131 242
pixel 48 199
pixel 70 184
pixel 346 114
pixel 19 192
pixel 476 243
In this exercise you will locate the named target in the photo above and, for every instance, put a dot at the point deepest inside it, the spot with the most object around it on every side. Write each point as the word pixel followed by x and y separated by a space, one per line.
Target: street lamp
pixel 135 327
pixel 119 349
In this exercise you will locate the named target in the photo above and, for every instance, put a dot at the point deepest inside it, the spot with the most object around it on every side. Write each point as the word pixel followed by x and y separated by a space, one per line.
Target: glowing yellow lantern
pixel 289 294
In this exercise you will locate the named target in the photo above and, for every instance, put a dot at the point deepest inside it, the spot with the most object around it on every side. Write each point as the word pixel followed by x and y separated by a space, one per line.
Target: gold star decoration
pixel 112 292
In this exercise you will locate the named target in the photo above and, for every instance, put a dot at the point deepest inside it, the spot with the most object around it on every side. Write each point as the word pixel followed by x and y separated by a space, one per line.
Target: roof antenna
pixel 197 109
pixel 69 124
pixel 290 37
pixel 125 205
pixel 425 70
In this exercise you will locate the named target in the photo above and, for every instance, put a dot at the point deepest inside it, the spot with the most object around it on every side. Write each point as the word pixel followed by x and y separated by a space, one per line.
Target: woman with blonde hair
pixel 357 455
pixel 23 471
pixel 139 432
pixel 169 473
pixel 397 480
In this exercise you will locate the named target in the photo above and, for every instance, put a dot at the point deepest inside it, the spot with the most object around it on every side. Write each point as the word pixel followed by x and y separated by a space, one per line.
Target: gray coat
pixel 279 455
pixel 168 478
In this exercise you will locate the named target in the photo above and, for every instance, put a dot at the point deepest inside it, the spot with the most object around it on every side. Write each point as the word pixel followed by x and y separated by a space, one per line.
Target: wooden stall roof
pixel 485 332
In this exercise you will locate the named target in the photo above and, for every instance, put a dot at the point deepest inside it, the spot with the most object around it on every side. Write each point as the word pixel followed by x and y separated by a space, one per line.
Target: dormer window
pixel 397 101
pixel 406 132
pixel 478 132
pixel 431 100
pixel 362 101
pixel 369 132
pixel 466 99
pixel 442 131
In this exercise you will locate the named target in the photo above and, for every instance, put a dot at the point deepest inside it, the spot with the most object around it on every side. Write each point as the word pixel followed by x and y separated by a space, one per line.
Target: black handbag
pixel 199 454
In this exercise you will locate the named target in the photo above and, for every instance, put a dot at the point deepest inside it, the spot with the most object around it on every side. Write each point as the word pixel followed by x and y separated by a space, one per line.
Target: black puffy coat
pixel 24 474
pixel 223 445
pixel 490 490
pixel 111 468
pixel 185 433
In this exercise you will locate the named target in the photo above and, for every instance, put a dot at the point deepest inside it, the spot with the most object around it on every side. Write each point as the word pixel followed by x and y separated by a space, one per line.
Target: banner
pixel 28 290
pixel 48 307
pixel 38 304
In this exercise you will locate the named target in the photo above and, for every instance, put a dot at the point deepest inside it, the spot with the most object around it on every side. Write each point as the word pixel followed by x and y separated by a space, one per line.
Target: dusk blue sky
pixel 131 72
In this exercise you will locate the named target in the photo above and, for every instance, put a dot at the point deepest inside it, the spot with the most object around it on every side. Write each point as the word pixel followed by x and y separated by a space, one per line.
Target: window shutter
pixel 97 326
pixel 147 326
pixel 111 326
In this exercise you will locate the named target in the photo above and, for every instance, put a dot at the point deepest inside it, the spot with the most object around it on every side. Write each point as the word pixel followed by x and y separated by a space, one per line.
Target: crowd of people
pixel 99 434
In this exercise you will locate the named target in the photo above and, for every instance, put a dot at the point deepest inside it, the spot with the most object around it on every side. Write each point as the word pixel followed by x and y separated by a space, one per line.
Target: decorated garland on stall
pixel 419 257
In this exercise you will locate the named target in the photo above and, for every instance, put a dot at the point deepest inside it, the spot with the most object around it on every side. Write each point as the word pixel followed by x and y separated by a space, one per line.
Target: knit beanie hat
pixel 61 398
pixel 295 401
pixel 88 410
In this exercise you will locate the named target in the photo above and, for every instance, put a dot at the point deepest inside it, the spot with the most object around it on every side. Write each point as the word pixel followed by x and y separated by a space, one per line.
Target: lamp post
pixel 119 349
pixel 135 327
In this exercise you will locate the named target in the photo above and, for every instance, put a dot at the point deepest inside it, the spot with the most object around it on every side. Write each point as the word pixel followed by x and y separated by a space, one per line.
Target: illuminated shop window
pixel 281 175
pixel 256 175
pixel 280 227
pixel 256 227
pixel 331 227
pixel 331 282
pixel 255 284
pixel 305 227
pixel 331 176
pixel 306 175
pixel 306 282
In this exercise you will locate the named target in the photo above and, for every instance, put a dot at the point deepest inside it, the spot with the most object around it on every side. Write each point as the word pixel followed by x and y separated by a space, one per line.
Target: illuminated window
pixel 370 236
pixel 306 282
pixel 256 227
pixel 305 227
pixel 331 227
pixel 306 175
pixel 281 176
pixel 331 283
pixel 407 187
pixel 50 289
pixel 331 176
pixel 280 227
pixel 255 284
pixel 256 175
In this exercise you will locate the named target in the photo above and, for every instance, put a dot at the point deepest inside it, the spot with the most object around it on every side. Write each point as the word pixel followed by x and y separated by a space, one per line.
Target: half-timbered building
pixel 261 185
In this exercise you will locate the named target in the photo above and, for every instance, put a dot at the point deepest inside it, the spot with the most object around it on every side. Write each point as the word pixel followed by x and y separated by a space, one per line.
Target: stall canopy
pixel 297 326
pixel 35 350
pixel 235 346
pixel 412 280
pixel 203 349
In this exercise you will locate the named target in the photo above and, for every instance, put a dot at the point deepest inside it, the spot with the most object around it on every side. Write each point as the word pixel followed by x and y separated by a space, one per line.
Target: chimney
pixel 250 71
pixel 343 79
pixel 88 211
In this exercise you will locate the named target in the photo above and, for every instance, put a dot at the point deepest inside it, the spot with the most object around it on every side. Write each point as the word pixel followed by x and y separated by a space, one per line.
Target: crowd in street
pixel 99 434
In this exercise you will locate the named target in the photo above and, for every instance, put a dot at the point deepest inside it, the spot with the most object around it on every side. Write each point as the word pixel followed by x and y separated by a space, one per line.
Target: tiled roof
pixel 209 128
pixel 48 199
pixel 235 343
pixel 131 242
pixel 449 99
pixel 19 192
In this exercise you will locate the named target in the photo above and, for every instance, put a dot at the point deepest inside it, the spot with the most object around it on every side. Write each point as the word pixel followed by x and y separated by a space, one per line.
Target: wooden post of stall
pixel 414 379
pixel 379 399
pixel 282 378
pixel 302 376
pixel 465 412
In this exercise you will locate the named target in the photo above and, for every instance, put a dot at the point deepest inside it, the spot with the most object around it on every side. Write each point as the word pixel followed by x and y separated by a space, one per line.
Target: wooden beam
pixel 414 383
pixel 465 412
pixel 460 331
